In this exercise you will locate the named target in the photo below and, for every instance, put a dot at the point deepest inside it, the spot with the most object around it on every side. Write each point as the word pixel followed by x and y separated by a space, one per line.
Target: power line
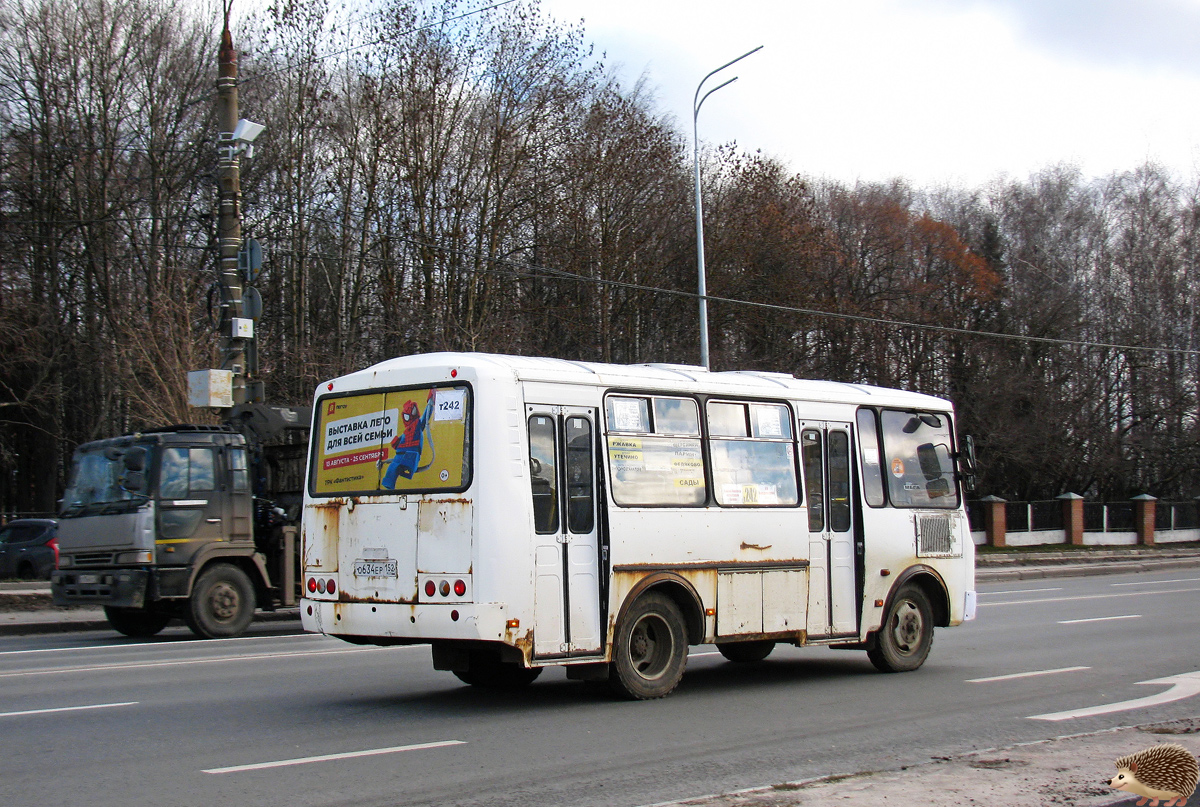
pixel 524 271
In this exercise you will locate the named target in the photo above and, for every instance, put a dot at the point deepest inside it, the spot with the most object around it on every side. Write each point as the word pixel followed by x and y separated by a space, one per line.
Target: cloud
pixel 1136 33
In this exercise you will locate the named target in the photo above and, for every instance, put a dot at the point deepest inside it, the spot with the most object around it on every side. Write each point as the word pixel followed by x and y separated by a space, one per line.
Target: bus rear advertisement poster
pixel 398 440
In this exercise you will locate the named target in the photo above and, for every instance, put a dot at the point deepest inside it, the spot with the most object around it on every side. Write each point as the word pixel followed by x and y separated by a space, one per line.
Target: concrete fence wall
pixel 1070 520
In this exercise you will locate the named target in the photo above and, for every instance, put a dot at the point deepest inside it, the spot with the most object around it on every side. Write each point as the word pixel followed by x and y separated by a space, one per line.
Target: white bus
pixel 517 513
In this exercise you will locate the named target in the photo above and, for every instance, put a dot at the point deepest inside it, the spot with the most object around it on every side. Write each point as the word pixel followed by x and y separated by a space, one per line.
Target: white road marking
pixel 1021 591
pixel 67 709
pixel 1089 597
pixel 1013 676
pixel 283 763
pixel 1158 582
pixel 158 645
pixel 1184 685
pixel 257 657
pixel 1098 619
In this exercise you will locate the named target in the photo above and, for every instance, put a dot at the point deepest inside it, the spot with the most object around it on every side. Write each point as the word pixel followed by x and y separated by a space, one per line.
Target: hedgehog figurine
pixel 1164 772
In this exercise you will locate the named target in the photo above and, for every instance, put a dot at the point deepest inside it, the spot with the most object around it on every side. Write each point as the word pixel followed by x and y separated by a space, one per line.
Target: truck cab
pixel 165 524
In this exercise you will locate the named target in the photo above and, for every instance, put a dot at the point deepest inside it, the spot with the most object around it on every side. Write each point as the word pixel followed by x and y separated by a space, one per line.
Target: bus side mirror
pixel 966 462
pixel 931 466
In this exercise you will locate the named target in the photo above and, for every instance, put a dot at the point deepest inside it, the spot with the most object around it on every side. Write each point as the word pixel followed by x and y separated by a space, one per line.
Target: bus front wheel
pixel 906 635
pixel 649 650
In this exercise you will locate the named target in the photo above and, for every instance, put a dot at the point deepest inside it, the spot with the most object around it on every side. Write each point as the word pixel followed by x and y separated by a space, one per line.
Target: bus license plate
pixel 376 568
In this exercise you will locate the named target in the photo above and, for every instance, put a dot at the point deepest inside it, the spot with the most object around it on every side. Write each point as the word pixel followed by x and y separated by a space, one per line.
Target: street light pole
pixel 697 102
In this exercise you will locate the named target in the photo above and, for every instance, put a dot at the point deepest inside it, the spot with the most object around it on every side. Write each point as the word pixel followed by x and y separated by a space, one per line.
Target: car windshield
pixel 95 480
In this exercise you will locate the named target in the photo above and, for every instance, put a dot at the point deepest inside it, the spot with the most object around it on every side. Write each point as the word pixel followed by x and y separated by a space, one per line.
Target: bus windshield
pixel 919 466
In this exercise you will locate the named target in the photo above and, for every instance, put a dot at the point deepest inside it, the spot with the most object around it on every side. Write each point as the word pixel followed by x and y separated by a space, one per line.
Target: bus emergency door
pixel 825 454
pixel 562 469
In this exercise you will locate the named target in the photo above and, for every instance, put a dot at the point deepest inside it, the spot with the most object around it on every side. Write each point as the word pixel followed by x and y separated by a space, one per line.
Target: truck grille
pixel 934 536
pixel 93 558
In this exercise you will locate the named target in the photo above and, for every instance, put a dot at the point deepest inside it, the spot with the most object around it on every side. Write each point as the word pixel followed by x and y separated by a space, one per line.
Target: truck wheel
pixel 222 603
pixel 747 651
pixel 649 649
pixel 135 621
pixel 906 635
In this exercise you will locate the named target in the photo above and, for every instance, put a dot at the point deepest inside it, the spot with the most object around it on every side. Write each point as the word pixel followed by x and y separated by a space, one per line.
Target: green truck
pixel 187 522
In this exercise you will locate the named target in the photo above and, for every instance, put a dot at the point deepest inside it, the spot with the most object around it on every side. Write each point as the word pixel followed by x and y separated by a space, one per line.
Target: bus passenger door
pixel 832 599
pixel 562 464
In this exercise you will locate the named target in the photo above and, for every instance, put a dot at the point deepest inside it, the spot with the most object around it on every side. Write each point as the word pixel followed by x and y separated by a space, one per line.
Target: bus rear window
pixel 409 440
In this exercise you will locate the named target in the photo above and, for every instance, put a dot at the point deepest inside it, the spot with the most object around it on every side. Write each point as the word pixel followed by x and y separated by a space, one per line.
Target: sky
pixel 938 92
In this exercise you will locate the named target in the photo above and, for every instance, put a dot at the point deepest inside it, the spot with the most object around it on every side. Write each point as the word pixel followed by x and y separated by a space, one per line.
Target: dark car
pixel 28 548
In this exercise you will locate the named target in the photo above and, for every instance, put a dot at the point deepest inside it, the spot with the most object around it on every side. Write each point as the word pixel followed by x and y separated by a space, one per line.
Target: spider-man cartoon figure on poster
pixel 409 444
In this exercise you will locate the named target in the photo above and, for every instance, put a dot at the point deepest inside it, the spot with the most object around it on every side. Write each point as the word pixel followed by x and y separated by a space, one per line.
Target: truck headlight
pixel 140 556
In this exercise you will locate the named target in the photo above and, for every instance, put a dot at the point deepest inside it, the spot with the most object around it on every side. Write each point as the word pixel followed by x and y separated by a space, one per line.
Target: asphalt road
pixel 92 718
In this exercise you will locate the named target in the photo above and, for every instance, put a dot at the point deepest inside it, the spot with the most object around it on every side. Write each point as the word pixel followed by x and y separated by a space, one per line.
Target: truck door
pixel 191 507
pixel 562 465
pixel 825 453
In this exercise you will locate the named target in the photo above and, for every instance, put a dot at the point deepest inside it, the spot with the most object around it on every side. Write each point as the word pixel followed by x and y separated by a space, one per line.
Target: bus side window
pixel 542 474
pixel 814 478
pixel 868 445
pixel 839 481
pixel 580 511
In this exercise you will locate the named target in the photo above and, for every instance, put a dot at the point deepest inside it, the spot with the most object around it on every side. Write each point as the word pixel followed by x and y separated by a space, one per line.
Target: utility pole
pixel 229 220
pixel 234 384
pixel 239 351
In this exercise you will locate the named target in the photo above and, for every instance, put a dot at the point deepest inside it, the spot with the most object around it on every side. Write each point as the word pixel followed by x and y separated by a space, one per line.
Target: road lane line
pixel 1022 591
pixel 283 763
pixel 1158 582
pixel 149 664
pixel 1089 597
pixel 1014 676
pixel 1184 685
pixel 67 709
pixel 1098 619
pixel 159 644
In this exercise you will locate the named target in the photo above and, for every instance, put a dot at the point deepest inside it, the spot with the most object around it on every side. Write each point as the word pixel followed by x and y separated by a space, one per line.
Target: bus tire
pixel 747 652
pixel 486 672
pixel 649 649
pixel 222 603
pixel 904 639
pixel 135 622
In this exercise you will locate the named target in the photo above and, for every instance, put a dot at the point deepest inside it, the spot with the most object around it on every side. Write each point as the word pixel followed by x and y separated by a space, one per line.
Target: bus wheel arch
pixel 933 586
pixel 680 591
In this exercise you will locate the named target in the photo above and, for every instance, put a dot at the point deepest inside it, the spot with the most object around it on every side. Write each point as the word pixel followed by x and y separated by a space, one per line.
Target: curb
pixel 993 574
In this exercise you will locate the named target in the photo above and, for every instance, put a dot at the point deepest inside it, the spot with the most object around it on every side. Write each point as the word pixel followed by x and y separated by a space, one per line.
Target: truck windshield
pixel 95 483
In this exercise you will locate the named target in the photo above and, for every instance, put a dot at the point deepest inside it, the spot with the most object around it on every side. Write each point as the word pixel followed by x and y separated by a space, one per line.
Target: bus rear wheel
pixel 649 649
pixel 904 639
pixel 135 622
pixel 747 652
